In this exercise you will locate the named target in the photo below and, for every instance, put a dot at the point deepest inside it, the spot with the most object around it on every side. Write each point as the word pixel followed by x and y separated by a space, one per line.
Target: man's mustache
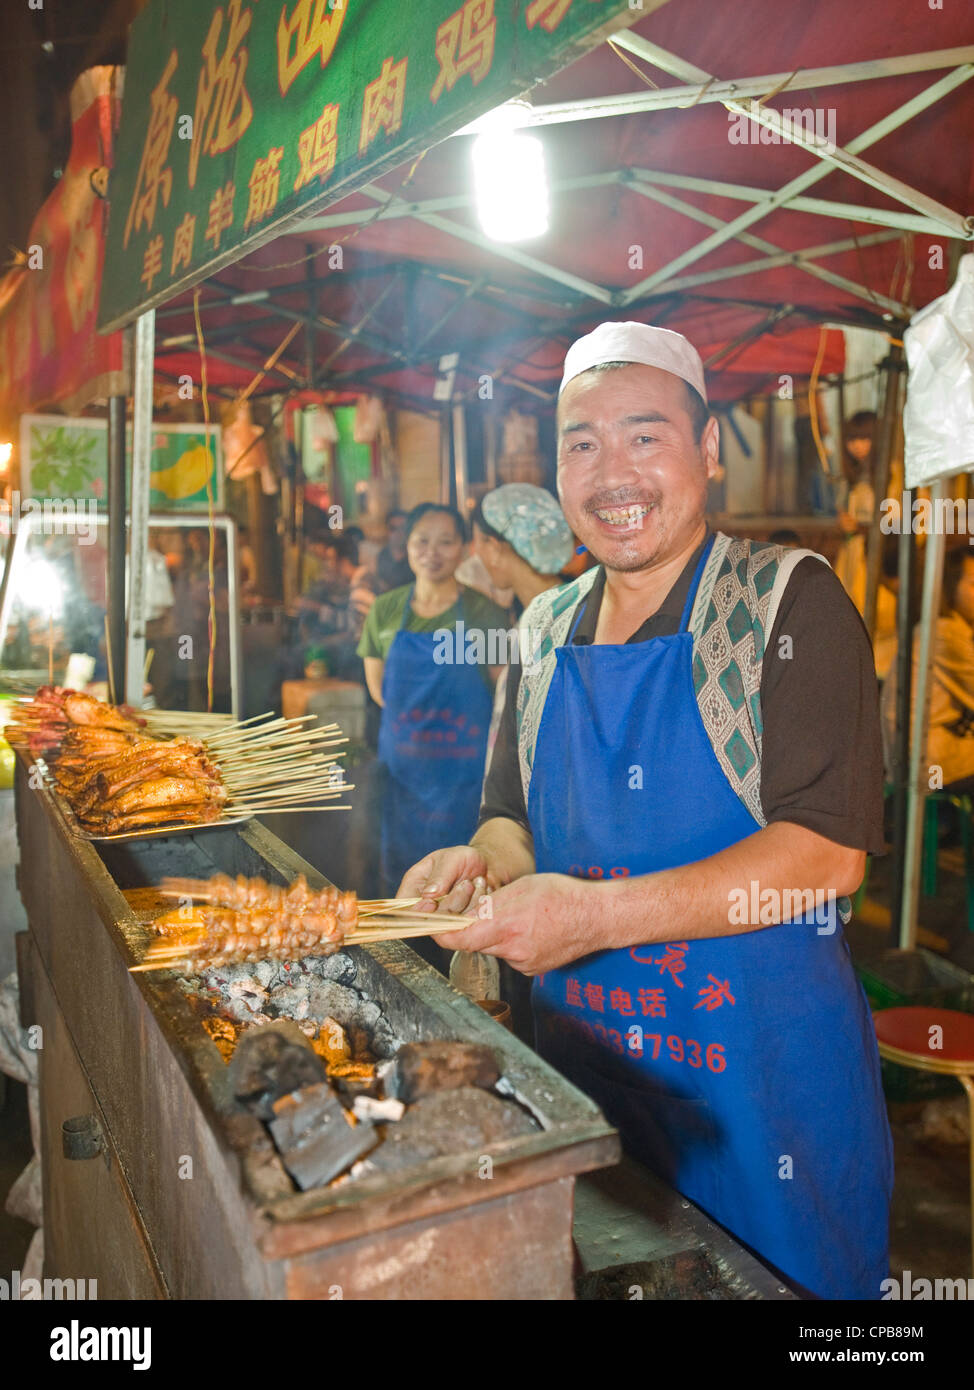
pixel 622 497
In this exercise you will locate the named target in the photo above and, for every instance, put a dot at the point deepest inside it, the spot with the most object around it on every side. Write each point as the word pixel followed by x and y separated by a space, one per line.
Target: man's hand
pixel 501 851
pixel 449 880
pixel 536 923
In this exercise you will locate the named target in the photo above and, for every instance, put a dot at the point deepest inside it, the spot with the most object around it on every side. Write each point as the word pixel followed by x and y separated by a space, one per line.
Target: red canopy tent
pixel 641 203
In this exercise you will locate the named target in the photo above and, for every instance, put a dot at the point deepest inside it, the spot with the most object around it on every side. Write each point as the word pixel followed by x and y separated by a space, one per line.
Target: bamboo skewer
pixel 243 736
pixel 277 756
pixel 295 792
pixel 298 790
pixel 262 766
pixel 314 738
pixel 272 810
pixel 397 929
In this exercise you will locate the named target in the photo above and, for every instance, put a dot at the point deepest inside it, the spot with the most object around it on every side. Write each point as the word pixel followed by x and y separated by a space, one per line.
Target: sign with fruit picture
pixel 67 458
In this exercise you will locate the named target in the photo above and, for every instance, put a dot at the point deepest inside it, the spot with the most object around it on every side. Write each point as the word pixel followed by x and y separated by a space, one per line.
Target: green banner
pixel 240 117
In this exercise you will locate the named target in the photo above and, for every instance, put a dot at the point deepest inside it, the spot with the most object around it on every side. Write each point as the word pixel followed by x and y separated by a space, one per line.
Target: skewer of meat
pixel 209 936
pixel 247 893
pixel 199 938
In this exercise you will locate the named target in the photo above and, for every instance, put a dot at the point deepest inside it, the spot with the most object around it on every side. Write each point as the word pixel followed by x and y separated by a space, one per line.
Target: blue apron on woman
pixel 742 1069
pixel 433 744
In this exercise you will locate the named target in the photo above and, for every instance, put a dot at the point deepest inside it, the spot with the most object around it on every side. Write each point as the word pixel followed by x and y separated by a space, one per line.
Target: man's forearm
pixel 716 896
pixel 508 848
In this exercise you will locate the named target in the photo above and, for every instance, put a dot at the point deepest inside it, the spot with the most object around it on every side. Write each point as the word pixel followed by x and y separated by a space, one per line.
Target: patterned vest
pixel 733 614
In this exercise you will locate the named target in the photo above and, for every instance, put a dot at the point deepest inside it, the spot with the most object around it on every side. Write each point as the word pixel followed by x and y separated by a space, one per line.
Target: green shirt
pixel 386 614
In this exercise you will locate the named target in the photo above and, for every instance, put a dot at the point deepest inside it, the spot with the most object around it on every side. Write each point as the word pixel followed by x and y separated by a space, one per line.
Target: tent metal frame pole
pixel 145 327
pixel 748 193
pixel 116 544
pixel 819 207
pixel 399 207
pixel 507 253
pixel 801 259
pixel 933 570
pixel 948 220
pixel 796 258
pixel 905 614
pixel 728 89
pixel 928 97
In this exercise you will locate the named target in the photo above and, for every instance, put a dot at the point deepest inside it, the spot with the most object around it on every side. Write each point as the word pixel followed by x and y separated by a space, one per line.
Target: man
pixel 694 751
pixel 391 564
pixel 950 735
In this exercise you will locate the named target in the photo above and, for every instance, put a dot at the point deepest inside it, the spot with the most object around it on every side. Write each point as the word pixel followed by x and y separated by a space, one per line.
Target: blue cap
pixel 532 523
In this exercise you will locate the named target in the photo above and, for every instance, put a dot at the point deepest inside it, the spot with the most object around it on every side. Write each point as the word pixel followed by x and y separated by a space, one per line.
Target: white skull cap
pixel 636 342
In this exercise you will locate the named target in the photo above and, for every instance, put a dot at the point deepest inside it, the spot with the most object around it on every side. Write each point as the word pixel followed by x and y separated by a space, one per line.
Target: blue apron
pixel 742 1069
pixel 433 745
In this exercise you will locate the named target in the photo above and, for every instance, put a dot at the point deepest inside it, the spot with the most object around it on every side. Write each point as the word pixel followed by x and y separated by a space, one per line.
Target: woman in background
pixel 436 698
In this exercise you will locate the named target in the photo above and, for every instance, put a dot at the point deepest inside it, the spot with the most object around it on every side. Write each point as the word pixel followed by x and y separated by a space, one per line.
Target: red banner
pixel 50 353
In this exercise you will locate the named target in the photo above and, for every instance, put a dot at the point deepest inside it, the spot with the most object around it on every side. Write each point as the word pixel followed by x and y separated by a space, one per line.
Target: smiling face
pixel 631 477
pixel 434 548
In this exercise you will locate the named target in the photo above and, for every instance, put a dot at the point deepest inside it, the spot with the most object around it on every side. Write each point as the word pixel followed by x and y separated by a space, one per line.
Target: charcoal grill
pixel 181 1193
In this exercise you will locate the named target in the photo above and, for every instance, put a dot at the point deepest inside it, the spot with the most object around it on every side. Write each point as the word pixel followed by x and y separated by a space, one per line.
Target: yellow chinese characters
pixel 264 186
pixel 384 98
pixel 220 215
pixel 154 178
pixel 313 28
pixel 151 262
pixel 547 13
pixel 223 110
pixel 465 44
pixel 318 148
pixel 182 246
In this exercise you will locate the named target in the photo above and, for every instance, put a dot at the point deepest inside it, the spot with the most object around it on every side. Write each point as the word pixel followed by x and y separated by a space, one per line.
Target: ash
pixel 309 991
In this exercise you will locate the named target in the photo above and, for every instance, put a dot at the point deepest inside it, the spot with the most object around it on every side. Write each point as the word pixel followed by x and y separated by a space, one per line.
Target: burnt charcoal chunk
pixel 270 1062
pixel 423 1068
pixel 315 1138
pixel 339 968
pixel 449 1122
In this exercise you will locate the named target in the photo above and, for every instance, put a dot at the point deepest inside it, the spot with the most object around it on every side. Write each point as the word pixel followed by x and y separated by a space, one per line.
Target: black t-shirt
pixel 821 756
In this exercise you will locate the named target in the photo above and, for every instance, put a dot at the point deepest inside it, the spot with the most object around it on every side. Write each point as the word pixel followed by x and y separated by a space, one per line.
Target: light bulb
pixel 510 185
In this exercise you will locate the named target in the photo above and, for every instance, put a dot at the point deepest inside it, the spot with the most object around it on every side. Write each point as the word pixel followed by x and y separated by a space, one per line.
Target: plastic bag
pixel 938 421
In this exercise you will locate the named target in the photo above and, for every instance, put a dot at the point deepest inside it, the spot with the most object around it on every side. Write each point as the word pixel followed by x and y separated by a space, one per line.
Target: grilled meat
pixel 216 935
pixel 85 709
pixel 163 791
pixel 247 894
